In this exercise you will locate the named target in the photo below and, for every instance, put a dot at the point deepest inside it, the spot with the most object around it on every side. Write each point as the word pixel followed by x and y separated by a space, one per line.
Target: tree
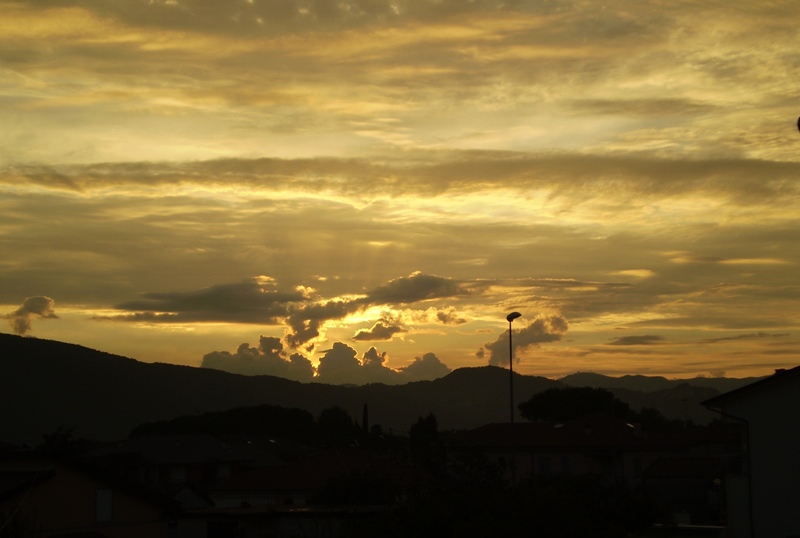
pixel 425 445
pixel 336 428
pixel 571 403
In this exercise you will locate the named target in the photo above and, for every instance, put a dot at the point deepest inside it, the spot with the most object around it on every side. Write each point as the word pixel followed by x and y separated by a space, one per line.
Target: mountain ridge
pixel 46 385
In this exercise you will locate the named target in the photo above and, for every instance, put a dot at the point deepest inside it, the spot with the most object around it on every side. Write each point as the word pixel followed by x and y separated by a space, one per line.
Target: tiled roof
pixel 312 472
pixel 780 376
pixel 597 431
pixel 165 449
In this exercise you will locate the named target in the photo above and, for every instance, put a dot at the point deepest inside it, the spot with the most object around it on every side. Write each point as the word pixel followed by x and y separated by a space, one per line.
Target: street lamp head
pixel 512 316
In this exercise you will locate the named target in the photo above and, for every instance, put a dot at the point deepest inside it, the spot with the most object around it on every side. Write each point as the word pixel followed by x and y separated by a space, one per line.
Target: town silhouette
pixel 578 460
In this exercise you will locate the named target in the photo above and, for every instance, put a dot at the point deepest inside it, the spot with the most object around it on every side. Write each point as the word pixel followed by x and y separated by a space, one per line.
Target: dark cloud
pixel 543 329
pixel 571 177
pixel 414 288
pixel 251 301
pixel 644 107
pixel 268 359
pixel 21 319
pixel 426 367
pixel 449 317
pixel 382 330
pixel 639 340
pixel 751 336
pixel 306 322
pixel 274 17
pixel 374 369
pixel 339 365
pixel 256 301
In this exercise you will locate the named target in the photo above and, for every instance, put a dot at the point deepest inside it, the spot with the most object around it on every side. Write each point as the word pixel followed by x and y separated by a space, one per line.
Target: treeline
pixel 562 404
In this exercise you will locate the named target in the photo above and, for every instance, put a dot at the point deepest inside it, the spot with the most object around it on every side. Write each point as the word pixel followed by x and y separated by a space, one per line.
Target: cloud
pixel 306 322
pixel 275 17
pixel 268 359
pixel 543 329
pixel 426 367
pixel 449 317
pixel 750 336
pixel 339 365
pixel 569 177
pixel 382 330
pixel 415 288
pixel 639 340
pixel 256 300
pixel 21 319
pixel 250 301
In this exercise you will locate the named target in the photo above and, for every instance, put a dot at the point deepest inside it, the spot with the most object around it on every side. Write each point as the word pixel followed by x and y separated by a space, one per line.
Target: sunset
pixel 361 191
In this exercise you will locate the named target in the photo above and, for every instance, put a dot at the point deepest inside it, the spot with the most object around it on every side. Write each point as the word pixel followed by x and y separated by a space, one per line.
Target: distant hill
pixel 45 385
pixel 651 384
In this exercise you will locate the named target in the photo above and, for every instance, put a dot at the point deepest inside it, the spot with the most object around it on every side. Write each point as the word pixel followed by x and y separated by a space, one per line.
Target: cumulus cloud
pixel 32 307
pixel 543 329
pixel 426 367
pixel 339 365
pixel 382 330
pixel 268 359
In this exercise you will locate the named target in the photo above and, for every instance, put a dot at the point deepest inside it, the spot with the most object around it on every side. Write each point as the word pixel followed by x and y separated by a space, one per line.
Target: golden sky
pixel 372 185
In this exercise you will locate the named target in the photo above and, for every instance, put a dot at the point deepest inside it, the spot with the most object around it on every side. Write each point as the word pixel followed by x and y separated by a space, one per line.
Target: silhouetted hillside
pixel 652 383
pixel 45 385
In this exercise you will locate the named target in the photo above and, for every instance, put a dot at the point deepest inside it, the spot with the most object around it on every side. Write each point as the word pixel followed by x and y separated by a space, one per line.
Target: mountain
pixel 652 383
pixel 46 385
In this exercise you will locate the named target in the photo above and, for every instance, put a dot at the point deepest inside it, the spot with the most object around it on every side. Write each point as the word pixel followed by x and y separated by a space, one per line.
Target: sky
pixel 360 191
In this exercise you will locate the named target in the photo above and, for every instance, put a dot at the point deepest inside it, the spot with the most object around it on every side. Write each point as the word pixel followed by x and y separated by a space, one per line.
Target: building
pixel 48 497
pixel 764 497
pixel 597 444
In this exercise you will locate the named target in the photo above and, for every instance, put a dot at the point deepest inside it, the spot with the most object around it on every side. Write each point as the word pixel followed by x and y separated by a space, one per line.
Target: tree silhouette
pixel 336 428
pixel 572 403
pixel 425 444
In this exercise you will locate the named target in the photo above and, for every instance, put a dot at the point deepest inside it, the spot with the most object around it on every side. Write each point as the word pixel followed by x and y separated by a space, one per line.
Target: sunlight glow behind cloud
pixel 408 171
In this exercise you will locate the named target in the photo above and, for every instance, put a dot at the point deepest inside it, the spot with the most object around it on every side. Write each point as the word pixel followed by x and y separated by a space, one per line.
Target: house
pixel 764 496
pixel 45 496
pixel 689 485
pixel 596 444
pixel 165 462
pixel 315 496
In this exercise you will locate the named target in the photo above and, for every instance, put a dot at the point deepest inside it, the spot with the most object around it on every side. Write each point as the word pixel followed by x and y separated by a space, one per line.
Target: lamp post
pixel 511 317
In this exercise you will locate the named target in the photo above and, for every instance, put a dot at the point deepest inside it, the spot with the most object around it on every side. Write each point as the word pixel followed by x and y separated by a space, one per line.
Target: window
pixel 544 465
pixel 177 474
pixel 103 504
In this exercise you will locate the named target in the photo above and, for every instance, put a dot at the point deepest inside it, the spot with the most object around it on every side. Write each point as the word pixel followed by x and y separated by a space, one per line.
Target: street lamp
pixel 511 317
